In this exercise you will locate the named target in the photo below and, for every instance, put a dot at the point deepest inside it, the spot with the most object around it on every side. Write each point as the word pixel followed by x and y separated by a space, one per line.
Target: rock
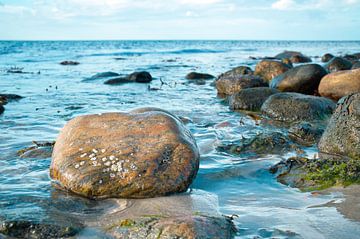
pixel 356 66
pixel 2 109
pixel 5 98
pixel 27 229
pixel 327 57
pixel 228 85
pixel 302 79
pixel 251 98
pixel 294 56
pixel 261 144
pixel 71 63
pixel 199 76
pixel 297 107
pixel 339 84
pixel 338 64
pixel 352 58
pixel 40 150
pixel 144 153
pixel 117 81
pixel 268 69
pixel 305 133
pixel 240 70
pixel 342 135
pixel 102 75
pixel 287 62
pixel 140 77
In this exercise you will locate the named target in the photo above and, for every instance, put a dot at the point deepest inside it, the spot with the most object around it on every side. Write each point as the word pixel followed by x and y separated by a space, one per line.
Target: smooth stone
pixel 268 69
pixel 338 64
pixel 356 66
pixel 294 56
pixel 297 107
pixel 301 79
pixel 117 81
pixel 342 135
pixel 305 133
pixel 240 70
pixel 339 84
pixel 199 76
pixel 251 98
pixel 140 77
pixel 69 63
pixel 327 57
pixel 145 153
pixel 228 85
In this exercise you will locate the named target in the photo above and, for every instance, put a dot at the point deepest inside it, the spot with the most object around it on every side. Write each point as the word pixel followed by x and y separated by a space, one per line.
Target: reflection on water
pixel 239 184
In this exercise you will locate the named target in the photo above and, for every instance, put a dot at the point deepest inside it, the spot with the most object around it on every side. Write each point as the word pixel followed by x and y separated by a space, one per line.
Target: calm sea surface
pixel 242 185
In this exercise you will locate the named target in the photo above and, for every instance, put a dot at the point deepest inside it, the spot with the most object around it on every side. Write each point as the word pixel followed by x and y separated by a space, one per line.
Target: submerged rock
pixel 327 57
pixel 117 81
pixel 338 64
pixel 342 135
pixel 144 153
pixel 5 98
pixel 294 56
pixel 251 98
pixel 302 79
pixel 139 77
pixel 297 107
pixel 199 76
pixel 102 75
pixel 268 69
pixel 71 63
pixel 39 150
pixel 339 84
pixel 305 133
pixel 2 109
pixel 228 85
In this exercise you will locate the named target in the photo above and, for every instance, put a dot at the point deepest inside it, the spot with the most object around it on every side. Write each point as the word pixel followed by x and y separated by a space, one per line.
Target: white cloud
pixel 283 4
pixel 200 2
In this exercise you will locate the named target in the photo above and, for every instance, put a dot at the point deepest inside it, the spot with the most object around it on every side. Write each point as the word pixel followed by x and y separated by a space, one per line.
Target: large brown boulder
pixel 338 64
pixel 339 84
pixel 144 153
pixel 302 79
pixel 342 135
pixel 268 69
pixel 294 56
pixel 297 107
pixel 231 84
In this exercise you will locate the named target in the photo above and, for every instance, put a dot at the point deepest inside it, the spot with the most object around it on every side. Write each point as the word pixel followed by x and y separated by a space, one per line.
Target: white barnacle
pixel 103 151
pixel 133 166
pixel 112 157
pixel 132 154
pixel 100 181
pixel 108 163
pixel 114 167
pixel 82 163
pixel 77 165
pixel 104 159
pixel 94 163
pixel 81 149
pixel 95 151
pixel 92 155
pixel 93 158
pixel 83 155
pixel 112 175
pixel 127 160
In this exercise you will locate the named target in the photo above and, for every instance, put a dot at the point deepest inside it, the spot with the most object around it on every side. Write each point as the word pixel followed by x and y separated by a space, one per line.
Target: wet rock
pixel 140 77
pixel 228 85
pixel 356 66
pixel 2 109
pixel 268 69
pixel 117 81
pixel 294 56
pixel 251 98
pixel 327 57
pixel 287 62
pixel 199 76
pixel 102 75
pixel 27 229
pixel 342 135
pixel 339 84
pixel 352 57
pixel 240 70
pixel 261 144
pixel 5 98
pixel 39 150
pixel 338 64
pixel 302 79
pixel 305 133
pixel 144 153
pixel 69 63
pixel 297 107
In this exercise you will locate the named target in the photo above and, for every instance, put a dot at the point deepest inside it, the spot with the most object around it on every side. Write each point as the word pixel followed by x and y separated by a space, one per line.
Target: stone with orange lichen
pixel 144 153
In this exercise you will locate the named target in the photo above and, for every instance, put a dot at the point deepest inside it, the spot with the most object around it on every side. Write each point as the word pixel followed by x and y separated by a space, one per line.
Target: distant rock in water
pixel 5 98
pixel 327 57
pixel 251 98
pixel 117 81
pixel 139 77
pixel 294 56
pixel 228 85
pixel 69 63
pixel 338 64
pixel 199 76
pixel 102 75
pixel 2 109
pixel 269 69
pixel 339 84
pixel 356 66
pixel 144 153
pixel 342 135
pixel 297 107
pixel 39 150
pixel 302 79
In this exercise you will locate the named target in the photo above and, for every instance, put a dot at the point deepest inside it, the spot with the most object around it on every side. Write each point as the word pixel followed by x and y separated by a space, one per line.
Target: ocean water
pixel 242 185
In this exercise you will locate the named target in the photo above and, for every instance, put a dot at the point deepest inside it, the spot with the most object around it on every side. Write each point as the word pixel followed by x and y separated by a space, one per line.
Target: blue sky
pixel 180 19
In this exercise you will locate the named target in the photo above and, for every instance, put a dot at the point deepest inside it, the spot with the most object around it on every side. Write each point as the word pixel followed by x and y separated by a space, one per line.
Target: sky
pixel 180 19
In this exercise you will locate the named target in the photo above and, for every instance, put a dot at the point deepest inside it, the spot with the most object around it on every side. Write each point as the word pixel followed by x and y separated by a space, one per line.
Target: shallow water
pixel 241 184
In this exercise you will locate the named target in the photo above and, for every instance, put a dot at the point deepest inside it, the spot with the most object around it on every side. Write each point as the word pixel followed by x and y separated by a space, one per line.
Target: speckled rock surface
pixel 144 153
pixel 231 84
pixel 268 69
pixel 342 135
pixel 297 107
pixel 339 84
pixel 240 70
pixel 338 64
